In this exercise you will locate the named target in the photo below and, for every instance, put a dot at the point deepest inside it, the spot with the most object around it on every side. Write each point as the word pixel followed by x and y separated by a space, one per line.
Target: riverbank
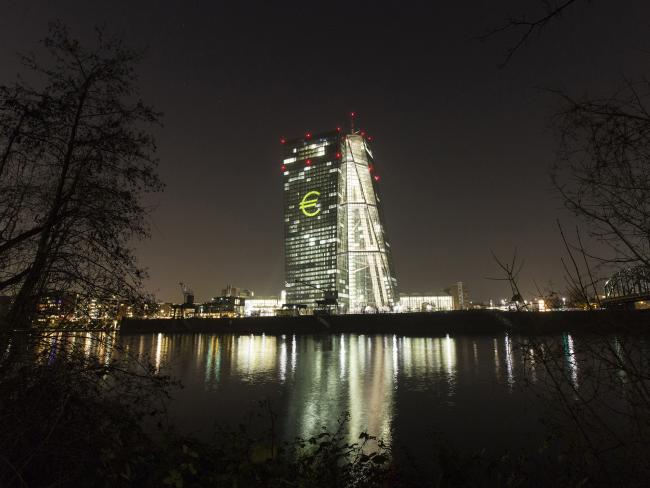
pixel 474 321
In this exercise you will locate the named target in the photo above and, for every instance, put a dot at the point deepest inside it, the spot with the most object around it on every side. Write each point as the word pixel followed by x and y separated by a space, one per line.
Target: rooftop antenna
pixel 352 116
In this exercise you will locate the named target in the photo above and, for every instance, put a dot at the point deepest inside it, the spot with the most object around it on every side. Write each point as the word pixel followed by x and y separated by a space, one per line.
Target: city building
pixel 425 303
pixel 233 291
pixel 336 249
pixel 264 306
pixel 220 307
pixel 164 310
pixel 230 304
pixel 187 309
pixel 56 308
pixel 59 308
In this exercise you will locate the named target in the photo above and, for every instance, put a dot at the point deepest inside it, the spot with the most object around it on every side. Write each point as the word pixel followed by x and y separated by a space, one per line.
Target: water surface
pixel 469 389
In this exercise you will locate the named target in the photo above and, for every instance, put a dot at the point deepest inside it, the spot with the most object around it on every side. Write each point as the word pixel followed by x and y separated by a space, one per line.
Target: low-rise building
pixel 264 306
pixel 220 307
pixel 56 308
pixel 164 310
pixel 414 302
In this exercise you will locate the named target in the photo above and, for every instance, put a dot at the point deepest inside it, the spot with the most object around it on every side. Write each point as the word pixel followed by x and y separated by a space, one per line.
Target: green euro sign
pixel 310 200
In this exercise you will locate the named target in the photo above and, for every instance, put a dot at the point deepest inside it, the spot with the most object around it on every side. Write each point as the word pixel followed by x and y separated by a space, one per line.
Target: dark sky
pixel 462 146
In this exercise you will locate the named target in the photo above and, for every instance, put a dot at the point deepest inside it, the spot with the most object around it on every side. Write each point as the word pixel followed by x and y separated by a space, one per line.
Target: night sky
pixel 463 147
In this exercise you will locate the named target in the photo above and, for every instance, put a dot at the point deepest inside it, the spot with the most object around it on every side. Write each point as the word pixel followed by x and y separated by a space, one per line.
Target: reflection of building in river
pixel 360 375
pixel 254 354
pixel 318 378
pixel 570 358
pixel 99 346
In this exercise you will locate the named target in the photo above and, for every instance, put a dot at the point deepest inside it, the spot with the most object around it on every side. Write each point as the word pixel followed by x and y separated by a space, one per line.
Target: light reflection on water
pixel 391 385
pixel 314 379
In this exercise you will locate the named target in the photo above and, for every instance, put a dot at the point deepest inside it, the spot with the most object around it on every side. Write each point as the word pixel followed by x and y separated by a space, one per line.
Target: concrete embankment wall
pixel 459 322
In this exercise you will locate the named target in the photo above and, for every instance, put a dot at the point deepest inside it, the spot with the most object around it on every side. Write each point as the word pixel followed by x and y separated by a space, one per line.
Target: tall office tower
pixel 334 237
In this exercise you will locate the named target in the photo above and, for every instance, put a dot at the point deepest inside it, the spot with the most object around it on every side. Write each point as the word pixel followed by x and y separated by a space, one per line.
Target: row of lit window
pixel 302 258
pixel 329 233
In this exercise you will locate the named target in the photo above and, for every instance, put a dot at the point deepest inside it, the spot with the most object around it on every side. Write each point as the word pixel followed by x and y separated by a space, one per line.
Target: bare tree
pixel 511 273
pixel 581 283
pixel 603 170
pixel 594 389
pixel 527 26
pixel 76 160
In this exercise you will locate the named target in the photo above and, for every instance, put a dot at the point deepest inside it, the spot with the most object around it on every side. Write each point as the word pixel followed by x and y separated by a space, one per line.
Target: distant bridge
pixel 627 288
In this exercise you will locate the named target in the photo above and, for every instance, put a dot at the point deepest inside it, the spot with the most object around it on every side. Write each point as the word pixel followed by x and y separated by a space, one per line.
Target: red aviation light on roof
pixel 283 140
pixel 338 129
pixel 363 133
pixel 284 168
pixel 353 114
pixel 376 177
pixel 338 155
pixel 308 135
pixel 371 168
pixel 308 162
pixel 369 138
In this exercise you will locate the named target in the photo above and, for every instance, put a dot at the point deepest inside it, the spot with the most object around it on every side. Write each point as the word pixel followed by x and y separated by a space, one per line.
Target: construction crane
pixel 188 294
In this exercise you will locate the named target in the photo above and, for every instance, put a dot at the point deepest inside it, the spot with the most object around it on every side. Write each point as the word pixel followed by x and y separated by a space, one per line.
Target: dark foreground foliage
pixel 68 419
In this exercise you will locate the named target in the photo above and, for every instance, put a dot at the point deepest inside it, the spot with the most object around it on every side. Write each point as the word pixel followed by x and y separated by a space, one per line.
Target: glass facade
pixel 335 240
pixel 426 303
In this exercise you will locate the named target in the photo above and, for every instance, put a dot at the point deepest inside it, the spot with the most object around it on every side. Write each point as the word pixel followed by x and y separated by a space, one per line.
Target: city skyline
pixel 465 149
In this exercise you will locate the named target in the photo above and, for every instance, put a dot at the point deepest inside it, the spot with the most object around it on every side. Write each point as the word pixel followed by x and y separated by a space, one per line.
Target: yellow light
pixel 310 202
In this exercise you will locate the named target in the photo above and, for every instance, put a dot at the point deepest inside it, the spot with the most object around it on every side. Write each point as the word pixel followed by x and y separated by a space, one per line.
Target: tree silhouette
pixel 77 158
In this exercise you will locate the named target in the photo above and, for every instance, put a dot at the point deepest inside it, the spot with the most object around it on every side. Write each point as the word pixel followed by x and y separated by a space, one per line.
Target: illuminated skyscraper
pixel 334 236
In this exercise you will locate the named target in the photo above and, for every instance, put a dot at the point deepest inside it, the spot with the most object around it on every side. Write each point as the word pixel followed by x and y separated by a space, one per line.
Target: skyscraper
pixel 334 237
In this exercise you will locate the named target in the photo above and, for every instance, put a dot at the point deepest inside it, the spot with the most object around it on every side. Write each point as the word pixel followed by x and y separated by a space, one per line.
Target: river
pixel 470 390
